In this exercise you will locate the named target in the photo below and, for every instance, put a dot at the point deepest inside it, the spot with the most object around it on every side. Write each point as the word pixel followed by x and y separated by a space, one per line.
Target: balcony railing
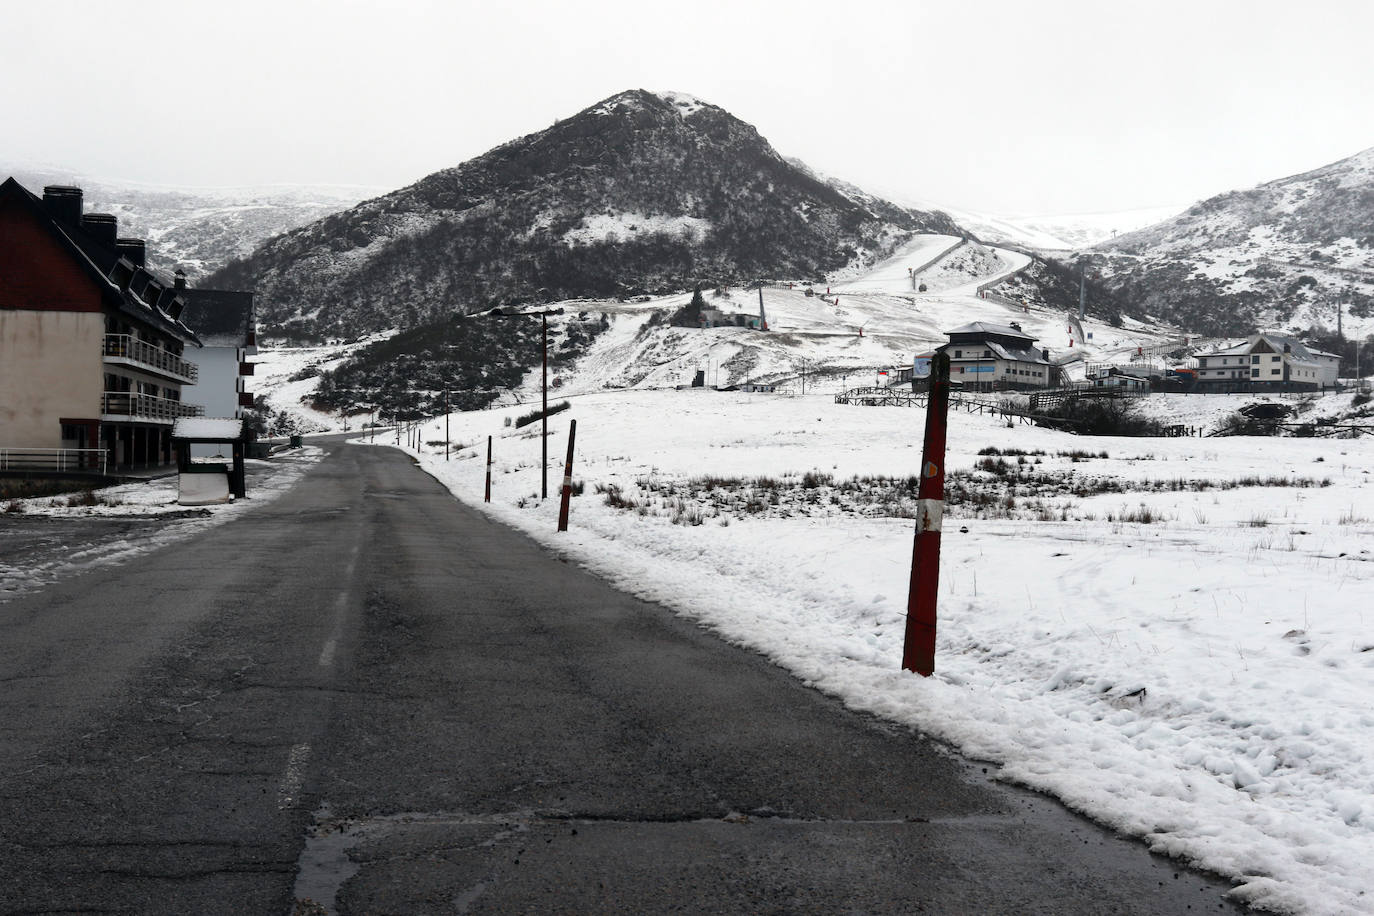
pixel 142 353
pixel 52 459
pixel 124 404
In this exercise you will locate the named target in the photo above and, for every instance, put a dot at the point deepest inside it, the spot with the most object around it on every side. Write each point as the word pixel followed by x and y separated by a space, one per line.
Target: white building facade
pixel 1268 361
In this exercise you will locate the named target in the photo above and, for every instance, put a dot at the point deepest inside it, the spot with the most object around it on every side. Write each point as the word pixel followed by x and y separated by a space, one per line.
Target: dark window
pixel 1254 359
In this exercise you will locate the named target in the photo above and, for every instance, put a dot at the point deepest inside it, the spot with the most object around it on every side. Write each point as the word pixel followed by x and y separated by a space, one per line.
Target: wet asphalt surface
pixel 365 696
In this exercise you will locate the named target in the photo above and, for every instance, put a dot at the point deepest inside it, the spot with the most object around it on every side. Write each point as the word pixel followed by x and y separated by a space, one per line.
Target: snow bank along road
pixel 370 696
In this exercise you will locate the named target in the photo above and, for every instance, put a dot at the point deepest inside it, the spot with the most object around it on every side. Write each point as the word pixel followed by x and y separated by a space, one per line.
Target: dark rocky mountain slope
pixel 642 193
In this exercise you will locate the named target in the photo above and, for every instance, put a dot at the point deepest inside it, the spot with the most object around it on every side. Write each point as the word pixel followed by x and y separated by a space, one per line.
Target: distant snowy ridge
pixel 197 229
pixel 1285 255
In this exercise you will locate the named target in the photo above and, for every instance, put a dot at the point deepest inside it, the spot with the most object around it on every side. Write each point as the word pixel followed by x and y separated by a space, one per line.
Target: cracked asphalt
pixel 366 698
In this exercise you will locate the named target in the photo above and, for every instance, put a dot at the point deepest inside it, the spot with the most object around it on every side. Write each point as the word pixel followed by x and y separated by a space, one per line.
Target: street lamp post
pixel 544 387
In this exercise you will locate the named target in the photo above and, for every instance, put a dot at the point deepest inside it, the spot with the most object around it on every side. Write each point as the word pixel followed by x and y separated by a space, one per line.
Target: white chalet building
pixel 1269 361
pixel 995 357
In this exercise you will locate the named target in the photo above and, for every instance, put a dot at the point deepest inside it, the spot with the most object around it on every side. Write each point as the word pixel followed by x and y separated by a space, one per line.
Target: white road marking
pixel 331 644
pixel 288 793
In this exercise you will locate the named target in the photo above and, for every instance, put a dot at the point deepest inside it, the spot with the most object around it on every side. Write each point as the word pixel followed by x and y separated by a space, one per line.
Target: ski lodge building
pixel 1268 361
pixel 92 345
pixel 994 357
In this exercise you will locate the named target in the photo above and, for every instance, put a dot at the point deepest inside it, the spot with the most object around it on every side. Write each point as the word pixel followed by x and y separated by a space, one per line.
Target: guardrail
pixel 1003 278
pixel 125 346
pixel 903 396
pixel 53 459
pixel 146 407
pixel 931 262
pixel 990 296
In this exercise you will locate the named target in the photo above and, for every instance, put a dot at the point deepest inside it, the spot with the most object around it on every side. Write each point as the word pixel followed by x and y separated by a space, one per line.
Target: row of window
pixel 1033 373
pixel 122 384
pixel 1240 360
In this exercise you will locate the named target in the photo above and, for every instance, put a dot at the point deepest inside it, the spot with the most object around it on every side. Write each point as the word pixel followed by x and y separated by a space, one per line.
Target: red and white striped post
pixel 567 478
pixel 918 649
pixel 487 497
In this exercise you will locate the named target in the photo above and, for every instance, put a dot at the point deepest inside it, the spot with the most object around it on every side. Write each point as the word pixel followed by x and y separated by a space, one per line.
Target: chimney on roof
pixel 103 227
pixel 179 282
pixel 133 249
pixel 63 204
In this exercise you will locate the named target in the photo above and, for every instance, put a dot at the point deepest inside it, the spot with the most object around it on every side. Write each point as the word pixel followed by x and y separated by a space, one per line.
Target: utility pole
pixel 1082 292
pixel 544 388
pixel 544 433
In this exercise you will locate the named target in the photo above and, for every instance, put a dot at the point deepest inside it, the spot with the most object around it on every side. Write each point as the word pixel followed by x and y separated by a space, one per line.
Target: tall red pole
pixel 487 498
pixel 918 650
pixel 567 478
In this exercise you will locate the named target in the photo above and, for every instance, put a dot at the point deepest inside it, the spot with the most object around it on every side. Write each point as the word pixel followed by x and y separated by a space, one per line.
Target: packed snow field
pixel 1174 636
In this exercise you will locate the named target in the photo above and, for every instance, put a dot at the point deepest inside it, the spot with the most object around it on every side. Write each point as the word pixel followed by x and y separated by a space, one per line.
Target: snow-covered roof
pixel 985 327
pixel 1026 354
pixel 1277 342
pixel 218 429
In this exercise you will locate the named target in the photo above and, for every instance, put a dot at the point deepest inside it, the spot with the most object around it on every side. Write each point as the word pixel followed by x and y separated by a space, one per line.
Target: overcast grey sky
pixel 1035 107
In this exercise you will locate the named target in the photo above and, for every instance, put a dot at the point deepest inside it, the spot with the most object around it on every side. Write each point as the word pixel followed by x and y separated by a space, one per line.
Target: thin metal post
pixel 918 649
pixel 544 438
pixel 567 478
pixel 487 498
pixel 446 413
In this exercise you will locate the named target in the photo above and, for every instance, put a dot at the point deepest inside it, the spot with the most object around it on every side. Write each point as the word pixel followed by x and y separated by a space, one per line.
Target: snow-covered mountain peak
pixel 641 193
pixel 687 105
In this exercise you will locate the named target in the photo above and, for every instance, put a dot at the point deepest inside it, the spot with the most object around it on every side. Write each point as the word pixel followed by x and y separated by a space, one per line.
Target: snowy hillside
pixel 838 336
pixel 1282 256
pixel 1062 232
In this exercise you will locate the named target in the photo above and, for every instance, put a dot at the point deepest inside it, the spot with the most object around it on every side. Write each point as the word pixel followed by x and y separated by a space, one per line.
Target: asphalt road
pixel 367 696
